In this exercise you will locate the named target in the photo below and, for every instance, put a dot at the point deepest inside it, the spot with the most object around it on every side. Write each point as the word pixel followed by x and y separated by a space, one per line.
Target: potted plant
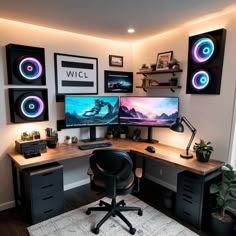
pixel 123 131
pixel 203 150
pixel 225 192
pixel 67 139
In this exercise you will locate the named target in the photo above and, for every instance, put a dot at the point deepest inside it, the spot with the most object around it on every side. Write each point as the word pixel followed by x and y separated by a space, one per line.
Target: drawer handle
pixel 46 198
pixel 45 212
pixel 187 200
pixel 187 196
pixel 186 213
pixel 48 173
pixel 47 186
pixel 187 189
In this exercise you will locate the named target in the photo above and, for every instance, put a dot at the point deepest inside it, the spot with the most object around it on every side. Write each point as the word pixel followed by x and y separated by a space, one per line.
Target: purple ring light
pixel 30 68
pixel 32 106
pixel 202 50
pixel 200 80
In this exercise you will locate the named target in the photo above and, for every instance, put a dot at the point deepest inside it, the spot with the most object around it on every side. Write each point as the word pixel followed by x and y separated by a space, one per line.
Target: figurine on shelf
pixel 173 64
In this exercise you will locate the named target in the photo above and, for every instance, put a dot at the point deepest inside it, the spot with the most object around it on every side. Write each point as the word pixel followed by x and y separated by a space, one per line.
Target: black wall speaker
pixel 205 61
pixel 25 65
pixel 28 105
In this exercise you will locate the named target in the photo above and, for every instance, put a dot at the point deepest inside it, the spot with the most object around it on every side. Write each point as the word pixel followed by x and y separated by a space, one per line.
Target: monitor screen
pixel 148 111
pixel 85 111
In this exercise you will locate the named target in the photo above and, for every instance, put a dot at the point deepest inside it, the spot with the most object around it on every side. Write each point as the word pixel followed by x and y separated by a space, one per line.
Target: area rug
pixel 78 223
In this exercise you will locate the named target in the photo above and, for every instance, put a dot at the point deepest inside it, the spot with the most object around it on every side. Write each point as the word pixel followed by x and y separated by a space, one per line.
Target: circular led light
pixel 200 80
pixel 31 106
pixel 30 68
pixel 202 50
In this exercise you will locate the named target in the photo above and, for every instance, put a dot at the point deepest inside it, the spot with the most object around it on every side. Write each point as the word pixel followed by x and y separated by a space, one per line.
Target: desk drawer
pixel 188 211
pixel 47 206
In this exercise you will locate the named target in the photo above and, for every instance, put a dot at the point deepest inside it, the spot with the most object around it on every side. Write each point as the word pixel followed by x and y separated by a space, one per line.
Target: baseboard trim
pixel 161 182
pixel 7 205
pixel 76 184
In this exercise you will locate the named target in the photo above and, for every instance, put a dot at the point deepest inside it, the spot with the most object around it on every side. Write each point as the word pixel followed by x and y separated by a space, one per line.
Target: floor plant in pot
pixel 203 150
pixel 225 192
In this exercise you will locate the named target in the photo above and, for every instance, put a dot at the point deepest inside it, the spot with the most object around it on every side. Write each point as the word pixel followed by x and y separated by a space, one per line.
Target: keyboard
pixel 94 145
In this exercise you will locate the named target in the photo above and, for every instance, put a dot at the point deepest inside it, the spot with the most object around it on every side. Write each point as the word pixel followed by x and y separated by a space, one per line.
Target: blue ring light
pixel 200 80
pixel 202 50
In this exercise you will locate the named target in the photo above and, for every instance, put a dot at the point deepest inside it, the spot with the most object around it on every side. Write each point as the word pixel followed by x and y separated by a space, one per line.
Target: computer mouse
pixel 150 149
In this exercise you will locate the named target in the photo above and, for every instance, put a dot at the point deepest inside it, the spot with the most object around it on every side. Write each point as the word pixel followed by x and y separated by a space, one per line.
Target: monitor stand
pixel 149 139
pixel 92 133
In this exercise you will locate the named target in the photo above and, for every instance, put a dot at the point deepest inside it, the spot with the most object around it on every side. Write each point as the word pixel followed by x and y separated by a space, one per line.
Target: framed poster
pixel 163 60
pixel 75 75
pixel 115 60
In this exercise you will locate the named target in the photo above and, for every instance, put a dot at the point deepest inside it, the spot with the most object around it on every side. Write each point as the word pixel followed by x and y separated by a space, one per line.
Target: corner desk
pixel 195 171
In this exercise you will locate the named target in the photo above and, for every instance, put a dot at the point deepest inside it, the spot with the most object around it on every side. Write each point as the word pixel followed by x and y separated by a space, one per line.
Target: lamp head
pixel 177 126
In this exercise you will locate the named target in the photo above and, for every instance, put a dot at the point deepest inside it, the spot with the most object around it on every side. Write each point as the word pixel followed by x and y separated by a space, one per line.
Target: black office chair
pixel 111 171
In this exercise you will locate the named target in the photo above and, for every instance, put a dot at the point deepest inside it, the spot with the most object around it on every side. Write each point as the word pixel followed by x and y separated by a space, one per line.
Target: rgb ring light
pixel 202 50
pixel 31 106
pixel 200 80
pixel 30 68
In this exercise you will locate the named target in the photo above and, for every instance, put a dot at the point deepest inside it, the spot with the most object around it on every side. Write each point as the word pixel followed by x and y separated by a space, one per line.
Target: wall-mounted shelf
pixel 150 72
pixel 154 84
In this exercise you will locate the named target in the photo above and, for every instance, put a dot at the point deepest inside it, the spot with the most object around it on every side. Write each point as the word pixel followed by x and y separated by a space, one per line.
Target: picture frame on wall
pixel 118 81
pixel 75 75
pixel 116 60
pixel 163 60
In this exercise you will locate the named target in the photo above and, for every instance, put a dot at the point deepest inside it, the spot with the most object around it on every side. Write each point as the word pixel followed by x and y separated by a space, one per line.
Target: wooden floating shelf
pixel 159 71
pixel 159 87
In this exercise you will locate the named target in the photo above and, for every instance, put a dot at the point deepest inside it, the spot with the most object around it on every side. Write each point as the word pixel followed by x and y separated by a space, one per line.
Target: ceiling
pixel 111 19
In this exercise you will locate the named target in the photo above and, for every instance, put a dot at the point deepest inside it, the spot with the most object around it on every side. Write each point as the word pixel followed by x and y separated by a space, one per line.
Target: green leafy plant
pixel 204 148
pixel 225 190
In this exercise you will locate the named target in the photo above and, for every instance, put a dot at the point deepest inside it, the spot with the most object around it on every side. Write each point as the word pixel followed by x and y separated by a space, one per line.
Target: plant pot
pixel 219 227
pixel 203 158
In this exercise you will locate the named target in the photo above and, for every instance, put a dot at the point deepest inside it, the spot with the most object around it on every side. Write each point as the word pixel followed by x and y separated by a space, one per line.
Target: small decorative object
pixel 74 139
pixel 115 60
pixel 153 67
pixel 225 192
pixel 67 140
pixel 144 67
pixel 173 81
pixel 123 131
pixel 173 64
pixel 163 60
pixel 110 131
pixel 203 150
pixel 36 135
pixel 25 136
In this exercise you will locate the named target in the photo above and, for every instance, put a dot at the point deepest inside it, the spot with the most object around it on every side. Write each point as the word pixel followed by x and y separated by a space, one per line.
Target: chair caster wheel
pixel 88 212
pixel 96 231
pixel 100 204
pixel 123 203
pixel 140 212
pixel 132 231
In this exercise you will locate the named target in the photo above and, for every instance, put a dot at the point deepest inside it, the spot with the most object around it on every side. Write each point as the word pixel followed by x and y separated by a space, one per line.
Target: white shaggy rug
pixel 78 223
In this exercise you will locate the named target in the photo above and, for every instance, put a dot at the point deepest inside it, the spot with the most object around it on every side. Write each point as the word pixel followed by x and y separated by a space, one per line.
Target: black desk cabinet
pixel 193 200
pixel 42 192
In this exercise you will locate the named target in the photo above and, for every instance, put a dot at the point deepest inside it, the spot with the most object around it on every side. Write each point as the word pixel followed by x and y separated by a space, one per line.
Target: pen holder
pixel 52 142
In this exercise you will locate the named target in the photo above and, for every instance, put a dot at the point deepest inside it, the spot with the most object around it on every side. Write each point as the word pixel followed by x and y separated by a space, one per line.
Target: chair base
pixel 114 209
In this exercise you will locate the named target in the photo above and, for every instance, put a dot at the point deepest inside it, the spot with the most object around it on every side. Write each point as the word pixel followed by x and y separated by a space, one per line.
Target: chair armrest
pixel 89 171
pixel 138 172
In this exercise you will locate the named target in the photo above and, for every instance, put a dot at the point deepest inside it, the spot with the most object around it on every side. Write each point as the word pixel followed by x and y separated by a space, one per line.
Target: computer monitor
pixel 91 111
pixel 148 111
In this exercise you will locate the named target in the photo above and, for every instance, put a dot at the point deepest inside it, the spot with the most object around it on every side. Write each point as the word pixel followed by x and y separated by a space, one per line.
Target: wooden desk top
pixel 166 154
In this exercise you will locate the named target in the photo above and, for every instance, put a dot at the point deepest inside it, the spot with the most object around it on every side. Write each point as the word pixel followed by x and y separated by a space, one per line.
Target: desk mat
pixel 77 223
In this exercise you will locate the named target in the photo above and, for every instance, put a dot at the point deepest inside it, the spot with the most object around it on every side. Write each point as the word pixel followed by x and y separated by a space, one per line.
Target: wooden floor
pixel 12 224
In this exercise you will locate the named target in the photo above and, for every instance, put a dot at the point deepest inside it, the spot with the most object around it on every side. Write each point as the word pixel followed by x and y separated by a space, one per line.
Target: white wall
pixel 53 41
pixel 210 114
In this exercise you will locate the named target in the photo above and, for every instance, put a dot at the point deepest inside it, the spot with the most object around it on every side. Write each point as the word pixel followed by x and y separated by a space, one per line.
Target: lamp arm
pixel 193 130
